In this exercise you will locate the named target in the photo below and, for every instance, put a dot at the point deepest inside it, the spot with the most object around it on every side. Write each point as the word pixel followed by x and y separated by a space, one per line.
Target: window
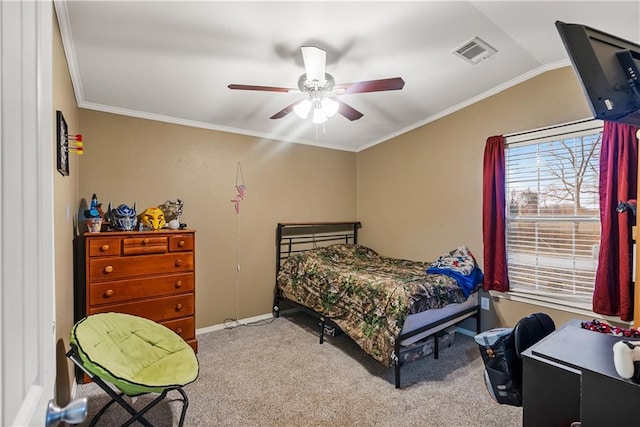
pixel 553 215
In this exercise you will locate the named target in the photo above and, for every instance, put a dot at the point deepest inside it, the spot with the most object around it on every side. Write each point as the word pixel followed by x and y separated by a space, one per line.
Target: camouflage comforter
pixel 367 295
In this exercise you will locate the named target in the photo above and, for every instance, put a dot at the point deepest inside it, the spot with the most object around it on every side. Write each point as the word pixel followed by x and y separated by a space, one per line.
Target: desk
pixel 570 376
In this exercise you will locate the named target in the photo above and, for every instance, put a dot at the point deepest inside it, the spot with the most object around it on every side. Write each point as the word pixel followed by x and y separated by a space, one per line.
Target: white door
pixel 27 330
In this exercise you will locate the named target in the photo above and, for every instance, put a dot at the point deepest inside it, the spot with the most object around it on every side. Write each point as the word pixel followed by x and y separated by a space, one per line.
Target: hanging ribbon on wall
pixel 240 188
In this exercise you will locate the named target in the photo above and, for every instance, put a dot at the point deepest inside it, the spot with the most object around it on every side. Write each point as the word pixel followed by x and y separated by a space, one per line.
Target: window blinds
pixel 553 216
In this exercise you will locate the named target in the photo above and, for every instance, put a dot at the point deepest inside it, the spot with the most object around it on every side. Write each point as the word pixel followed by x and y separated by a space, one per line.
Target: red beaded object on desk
pixel 602 327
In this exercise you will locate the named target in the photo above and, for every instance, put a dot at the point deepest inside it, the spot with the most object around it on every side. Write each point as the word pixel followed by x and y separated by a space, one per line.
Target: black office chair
pixel 501 351
pixel 531 329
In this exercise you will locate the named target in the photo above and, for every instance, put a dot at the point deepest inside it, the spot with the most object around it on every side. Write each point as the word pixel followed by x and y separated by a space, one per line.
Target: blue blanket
pixel 460 265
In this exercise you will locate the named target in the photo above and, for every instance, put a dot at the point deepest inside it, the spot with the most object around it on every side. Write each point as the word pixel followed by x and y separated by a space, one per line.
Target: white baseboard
pixel 268 316
pixel 241 322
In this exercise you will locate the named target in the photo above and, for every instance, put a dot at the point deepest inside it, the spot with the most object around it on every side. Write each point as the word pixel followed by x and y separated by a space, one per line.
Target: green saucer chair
pixel 138 356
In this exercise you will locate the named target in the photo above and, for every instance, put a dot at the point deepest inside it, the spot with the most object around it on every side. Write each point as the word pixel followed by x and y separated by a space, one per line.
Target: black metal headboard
pixel 294 237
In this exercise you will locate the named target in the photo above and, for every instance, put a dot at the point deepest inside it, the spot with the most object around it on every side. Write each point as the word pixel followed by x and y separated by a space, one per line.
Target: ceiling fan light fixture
pixel 321 93
pixel 330 107
pixel 302 108
pixel 319 116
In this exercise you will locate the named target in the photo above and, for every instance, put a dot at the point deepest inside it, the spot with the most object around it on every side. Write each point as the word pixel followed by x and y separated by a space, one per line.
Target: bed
pixel 383 304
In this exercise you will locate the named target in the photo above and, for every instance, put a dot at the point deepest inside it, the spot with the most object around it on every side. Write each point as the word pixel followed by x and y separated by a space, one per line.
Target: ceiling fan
pixel 322 91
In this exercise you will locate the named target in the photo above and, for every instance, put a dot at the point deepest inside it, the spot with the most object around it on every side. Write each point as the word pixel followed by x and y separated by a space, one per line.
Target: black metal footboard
pixel 461 316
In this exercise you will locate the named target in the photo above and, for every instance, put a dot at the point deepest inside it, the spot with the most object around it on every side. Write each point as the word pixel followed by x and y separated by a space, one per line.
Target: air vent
pixel 475 50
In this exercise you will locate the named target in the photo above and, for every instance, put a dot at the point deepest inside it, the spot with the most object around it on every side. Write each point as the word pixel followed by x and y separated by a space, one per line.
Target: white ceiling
pixel 172 60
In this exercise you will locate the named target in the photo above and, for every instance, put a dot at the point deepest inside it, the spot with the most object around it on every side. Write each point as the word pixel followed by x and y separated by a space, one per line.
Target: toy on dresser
pixel 172 212
pixel 626 358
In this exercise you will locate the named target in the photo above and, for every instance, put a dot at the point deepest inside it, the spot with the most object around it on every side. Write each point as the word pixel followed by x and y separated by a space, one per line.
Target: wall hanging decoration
pixel 62 144
pixel 240 188
pixel 65 144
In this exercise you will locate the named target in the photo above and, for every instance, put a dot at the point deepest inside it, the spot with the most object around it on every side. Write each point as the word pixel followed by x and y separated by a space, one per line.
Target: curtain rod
pixel 511 135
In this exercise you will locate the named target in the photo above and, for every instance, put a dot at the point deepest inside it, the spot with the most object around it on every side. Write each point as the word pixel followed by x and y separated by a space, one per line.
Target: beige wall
pixel 420 194
pixel 417 195
pixel 130 160
pixel 65 202
pixel 506 313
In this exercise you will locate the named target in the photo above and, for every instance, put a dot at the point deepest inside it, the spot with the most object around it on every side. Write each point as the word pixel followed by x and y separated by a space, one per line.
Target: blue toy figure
pixel 123 217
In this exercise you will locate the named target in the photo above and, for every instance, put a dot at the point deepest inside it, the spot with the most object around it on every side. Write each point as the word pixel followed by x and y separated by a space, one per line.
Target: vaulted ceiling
pixel 173 60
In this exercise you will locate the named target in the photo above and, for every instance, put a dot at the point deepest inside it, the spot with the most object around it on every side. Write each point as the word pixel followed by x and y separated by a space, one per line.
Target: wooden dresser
pixel 145 273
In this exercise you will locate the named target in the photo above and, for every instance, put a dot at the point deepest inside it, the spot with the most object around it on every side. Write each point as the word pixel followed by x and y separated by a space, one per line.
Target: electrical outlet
pixel 484 303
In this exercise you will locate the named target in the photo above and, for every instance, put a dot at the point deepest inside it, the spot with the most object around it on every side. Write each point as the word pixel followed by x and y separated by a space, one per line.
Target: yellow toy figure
pixel 153 218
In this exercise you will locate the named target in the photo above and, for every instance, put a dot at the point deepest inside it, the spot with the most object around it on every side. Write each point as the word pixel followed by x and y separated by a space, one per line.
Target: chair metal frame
pixel 136 415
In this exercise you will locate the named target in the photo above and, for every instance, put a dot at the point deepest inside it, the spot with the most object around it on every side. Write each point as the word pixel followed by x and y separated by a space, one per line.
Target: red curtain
pixel 613 293
pixel 493 216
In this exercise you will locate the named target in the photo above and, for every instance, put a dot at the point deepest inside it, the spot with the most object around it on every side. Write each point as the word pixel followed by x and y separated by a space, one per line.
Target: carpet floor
pixel 277 374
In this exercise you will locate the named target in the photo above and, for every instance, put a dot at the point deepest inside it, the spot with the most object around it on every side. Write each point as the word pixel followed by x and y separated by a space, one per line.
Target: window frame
pixel 579 305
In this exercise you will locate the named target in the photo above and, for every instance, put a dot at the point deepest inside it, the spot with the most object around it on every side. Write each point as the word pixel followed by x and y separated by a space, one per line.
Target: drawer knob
pixel 178 306
pixel 179 331
pixel 178 262
pixel 104 248
pixel 181 243
pixel 178 284
pixel 108 293
pixel 108 269
pixel 145 241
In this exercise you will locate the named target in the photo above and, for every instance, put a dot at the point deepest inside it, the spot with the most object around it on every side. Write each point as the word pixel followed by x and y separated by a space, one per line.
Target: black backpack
pixel 501 351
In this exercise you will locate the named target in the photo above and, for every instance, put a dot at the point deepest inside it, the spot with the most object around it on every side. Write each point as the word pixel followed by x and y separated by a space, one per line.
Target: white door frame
pixel 27 300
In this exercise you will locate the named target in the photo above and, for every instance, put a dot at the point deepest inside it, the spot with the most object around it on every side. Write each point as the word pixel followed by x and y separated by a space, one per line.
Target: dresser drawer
pixel 101 269
pixel 181 242
pixel 157 309
pixel 104 247
pixel 133 289
pixel 144 245
pixel 186 327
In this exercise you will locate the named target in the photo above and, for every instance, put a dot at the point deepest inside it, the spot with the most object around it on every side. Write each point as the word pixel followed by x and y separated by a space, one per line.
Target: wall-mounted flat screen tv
pixel 607 68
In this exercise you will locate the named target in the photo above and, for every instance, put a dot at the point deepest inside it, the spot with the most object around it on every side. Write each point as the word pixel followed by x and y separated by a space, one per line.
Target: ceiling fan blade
pixel 348 111
pixel 315 60
pixel 263 88
pixel 286 110
pixel 394 83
